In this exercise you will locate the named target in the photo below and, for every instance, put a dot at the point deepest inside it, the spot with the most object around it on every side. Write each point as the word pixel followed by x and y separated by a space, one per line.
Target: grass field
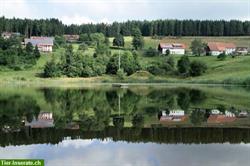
pixel 231 70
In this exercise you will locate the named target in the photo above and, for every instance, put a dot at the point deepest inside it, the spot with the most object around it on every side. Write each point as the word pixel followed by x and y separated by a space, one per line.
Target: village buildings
pixel 44 44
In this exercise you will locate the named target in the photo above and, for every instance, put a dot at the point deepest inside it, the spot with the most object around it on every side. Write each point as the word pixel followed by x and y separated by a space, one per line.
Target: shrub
pixel 150 52
pixel 51 69
pixel 183 65
pixel 121 74
pixel 83 47
pixel 222 56
pixel 197 68
pixel 247 81
pixel 156 69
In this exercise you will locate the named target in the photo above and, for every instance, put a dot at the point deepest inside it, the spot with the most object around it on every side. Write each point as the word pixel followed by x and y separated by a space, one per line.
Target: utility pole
pixel 119 61
pixel 119 103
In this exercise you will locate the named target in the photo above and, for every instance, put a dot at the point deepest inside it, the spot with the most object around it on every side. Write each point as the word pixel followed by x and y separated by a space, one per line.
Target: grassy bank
pixel 230 71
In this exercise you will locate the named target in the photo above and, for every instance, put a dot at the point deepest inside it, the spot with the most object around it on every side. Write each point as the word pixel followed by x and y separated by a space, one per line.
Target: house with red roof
pixel 217 48
pixel 173 48
pixel 220 119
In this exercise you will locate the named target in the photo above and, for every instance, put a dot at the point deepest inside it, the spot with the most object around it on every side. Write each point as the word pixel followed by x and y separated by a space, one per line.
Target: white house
pixel 44 44
pixel 174 48
pixel 44 120
pixel 176 113
pixel 229 114
pixel 216 48
pixel 215 112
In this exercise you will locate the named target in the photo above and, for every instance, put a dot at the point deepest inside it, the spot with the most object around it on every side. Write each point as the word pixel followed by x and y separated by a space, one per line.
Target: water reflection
pixel 137 125
pixel 97 109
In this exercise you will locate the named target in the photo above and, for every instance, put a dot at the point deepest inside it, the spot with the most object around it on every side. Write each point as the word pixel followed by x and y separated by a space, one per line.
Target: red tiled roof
pixel 219 46
pixel 172 45
pixel 173 118
pixel 220 119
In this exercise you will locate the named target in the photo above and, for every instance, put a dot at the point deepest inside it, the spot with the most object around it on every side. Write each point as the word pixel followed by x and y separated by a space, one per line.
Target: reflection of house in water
pixel 221 118
pixel 243 114
pixel 44 120
pixel 215 112
pixel 173 116
pixel 72 126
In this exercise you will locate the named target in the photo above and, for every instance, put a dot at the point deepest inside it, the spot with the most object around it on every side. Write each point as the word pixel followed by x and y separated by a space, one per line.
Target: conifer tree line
pixel 52 27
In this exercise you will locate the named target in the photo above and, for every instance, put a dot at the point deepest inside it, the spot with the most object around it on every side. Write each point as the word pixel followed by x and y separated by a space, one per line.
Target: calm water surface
pixel 139 125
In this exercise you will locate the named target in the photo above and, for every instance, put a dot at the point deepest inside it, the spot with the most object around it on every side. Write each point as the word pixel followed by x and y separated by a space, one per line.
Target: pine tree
pixel 36 52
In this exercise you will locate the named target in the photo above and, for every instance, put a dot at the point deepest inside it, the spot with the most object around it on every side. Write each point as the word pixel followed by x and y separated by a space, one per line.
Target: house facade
pixel 173 48
pixel 44 120
pixel 71 38
pixel 7 35
pixel 242 50
pixel 44 44
pixel 217 48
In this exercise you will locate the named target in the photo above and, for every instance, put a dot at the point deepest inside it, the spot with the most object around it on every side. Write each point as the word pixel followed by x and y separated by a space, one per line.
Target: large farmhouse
pixel 44 44
pixel 173 48
pixel 216 48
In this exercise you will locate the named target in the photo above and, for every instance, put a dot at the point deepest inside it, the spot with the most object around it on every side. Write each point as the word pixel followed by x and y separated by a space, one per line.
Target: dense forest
pixel 51 27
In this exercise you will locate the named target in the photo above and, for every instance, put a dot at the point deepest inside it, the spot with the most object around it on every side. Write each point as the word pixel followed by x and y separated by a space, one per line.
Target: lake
pixel 134 125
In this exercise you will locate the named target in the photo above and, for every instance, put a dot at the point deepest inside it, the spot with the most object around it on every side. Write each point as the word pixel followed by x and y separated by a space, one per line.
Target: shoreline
pixel 82 82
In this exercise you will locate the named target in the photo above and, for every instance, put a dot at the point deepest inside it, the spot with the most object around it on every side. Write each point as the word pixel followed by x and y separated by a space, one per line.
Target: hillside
pixel 231 70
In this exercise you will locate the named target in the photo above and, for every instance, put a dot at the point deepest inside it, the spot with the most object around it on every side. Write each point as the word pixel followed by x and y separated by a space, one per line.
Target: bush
pixel 222 56
pixel 51 69
pixel 247 81
pixel 197 68
pixel 156 69
pixel 121 74
pixel 183 65
pixel 83 47
pixel 129 63
pixel 150 52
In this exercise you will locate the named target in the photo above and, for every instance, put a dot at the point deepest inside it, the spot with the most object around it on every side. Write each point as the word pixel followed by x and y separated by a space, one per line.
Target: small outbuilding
pixel 71 38
pixel 7 35
pixel 173 48
pixel 241 50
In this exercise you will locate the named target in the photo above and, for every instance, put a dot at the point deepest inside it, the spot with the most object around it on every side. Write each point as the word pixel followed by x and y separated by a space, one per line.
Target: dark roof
pixel 40 41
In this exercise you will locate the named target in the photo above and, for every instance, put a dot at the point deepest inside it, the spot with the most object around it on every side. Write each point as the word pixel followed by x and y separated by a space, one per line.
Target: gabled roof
pixel 172 45
pixel 220 46
pixel 34 40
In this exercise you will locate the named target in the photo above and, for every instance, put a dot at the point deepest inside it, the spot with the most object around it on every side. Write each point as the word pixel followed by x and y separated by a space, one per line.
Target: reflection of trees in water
pixel 87 107
pixel 15 108
pixel 128 100
pixel 92 109
pixel 157 135
pixel 177 97
pixel 198 116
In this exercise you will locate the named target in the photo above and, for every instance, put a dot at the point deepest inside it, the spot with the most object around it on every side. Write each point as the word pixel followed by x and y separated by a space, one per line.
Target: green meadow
pixel 229 71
